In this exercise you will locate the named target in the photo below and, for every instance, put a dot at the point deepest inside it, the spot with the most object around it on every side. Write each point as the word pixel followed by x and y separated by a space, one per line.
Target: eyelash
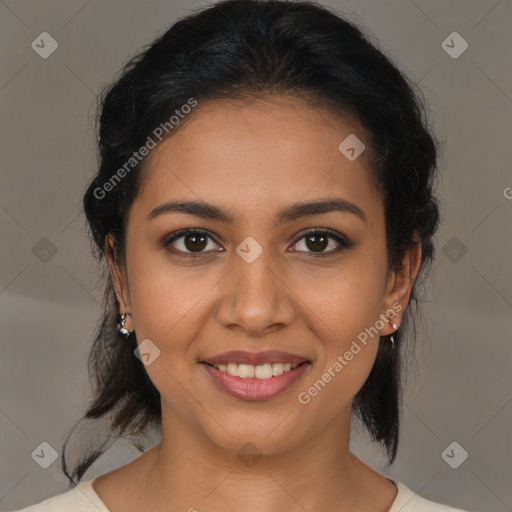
pixel 344 242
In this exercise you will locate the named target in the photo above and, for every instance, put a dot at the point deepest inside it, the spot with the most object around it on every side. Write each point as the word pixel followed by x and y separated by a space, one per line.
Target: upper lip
pixel 255 358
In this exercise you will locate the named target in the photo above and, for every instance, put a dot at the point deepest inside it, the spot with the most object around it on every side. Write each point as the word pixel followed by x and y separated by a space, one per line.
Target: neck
pixel 186 471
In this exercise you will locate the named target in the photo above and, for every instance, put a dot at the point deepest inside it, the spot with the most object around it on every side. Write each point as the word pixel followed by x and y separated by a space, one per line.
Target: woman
pixel 265 206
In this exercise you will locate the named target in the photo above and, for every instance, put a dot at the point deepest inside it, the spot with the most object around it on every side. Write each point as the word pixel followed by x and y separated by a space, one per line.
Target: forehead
pixel 261 154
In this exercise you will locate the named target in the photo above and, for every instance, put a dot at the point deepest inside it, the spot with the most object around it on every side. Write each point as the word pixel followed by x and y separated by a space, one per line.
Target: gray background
pixel 459 389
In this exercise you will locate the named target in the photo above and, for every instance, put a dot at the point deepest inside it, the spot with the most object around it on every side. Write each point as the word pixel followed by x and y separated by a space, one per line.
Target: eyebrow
pixel 288 214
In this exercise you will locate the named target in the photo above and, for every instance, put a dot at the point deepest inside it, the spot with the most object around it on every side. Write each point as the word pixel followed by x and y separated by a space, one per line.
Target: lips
pixel 255 388
pixel 287 369
pixel 255 359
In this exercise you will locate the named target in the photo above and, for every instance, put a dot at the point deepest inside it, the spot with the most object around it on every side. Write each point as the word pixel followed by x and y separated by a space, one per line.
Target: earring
pixel 123 331
pixel 391 338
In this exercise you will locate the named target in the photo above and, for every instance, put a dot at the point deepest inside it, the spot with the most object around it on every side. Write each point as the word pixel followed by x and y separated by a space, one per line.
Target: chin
pixel 265 436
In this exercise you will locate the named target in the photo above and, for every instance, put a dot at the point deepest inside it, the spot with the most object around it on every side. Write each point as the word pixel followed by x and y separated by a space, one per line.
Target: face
pixel 281 283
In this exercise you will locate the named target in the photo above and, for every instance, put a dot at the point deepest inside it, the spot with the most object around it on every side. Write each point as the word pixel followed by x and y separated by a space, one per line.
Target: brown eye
pixel 190 242
pixel 194 242
pixel 316 241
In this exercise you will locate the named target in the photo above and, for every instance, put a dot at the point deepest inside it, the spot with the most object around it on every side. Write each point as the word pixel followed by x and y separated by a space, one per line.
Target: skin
pixel 252 160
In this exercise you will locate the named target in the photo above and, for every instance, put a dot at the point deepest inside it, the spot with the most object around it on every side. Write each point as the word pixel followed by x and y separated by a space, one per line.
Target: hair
pixel 243 50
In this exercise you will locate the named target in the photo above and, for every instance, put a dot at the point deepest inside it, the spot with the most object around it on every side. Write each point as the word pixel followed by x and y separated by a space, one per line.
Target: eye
pixel 190 243
pixel 318 240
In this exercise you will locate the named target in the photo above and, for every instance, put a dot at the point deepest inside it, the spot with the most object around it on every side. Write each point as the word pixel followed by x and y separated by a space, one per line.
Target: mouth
pixel 255 376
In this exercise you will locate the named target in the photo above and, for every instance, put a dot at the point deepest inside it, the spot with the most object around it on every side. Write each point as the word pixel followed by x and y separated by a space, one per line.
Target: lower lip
pixel 253 388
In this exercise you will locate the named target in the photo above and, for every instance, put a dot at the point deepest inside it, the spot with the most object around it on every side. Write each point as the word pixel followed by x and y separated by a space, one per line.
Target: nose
pixel 255 298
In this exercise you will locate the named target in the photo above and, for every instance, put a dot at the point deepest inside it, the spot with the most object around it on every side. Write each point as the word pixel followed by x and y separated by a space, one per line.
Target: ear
pixel 119 277
pixel 399 286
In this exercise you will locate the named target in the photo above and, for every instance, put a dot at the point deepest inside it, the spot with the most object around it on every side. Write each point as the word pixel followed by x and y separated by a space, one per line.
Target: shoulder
pixel 408 501
pixel 81 498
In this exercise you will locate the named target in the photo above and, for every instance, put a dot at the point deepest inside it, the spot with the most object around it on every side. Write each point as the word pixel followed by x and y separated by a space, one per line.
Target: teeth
pixel 232 369
pixel 277 369
pixel 245 371
pixel 261 371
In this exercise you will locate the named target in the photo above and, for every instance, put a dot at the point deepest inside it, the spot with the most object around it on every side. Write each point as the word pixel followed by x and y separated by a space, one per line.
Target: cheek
pixel 168 301
pixel 345 313
pixel 347 356
pixel 347 298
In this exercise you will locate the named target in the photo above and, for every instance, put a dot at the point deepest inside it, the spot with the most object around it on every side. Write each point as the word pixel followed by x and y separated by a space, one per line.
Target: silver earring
pixel 392 338
pixel 123 331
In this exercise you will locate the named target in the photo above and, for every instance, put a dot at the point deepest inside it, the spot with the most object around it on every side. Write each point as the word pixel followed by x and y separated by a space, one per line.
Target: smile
pixel 255 382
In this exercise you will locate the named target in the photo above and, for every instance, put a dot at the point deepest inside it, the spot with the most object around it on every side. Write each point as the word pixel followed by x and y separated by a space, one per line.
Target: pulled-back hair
pixel 243 50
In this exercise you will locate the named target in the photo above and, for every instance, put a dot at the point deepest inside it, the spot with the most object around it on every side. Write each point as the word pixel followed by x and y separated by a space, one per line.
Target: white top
pixel 83 498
